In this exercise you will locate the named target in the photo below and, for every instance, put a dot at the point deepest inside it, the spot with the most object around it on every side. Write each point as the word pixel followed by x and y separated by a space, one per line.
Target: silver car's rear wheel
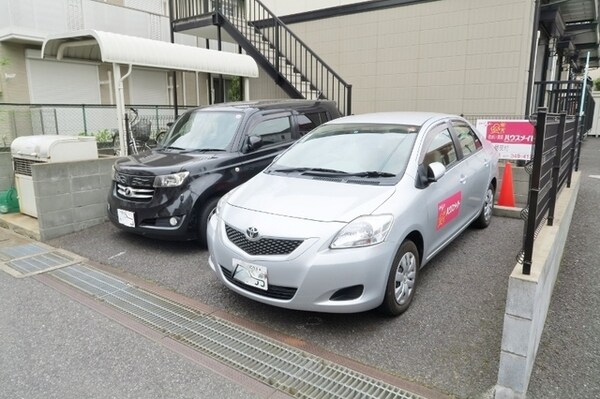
pixel 401 283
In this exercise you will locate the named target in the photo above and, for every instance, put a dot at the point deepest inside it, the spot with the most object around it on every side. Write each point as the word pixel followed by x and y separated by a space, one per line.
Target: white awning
pixel 129 50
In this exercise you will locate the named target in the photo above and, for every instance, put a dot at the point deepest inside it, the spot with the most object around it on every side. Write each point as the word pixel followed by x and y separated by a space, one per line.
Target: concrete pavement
pixel 54 347
pixel 449 339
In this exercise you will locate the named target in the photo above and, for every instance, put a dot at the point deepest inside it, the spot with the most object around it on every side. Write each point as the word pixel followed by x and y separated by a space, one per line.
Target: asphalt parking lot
pixel 448 340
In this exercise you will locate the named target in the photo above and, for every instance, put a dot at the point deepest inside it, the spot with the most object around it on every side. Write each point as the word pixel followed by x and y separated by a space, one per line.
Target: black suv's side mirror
pixel 254 143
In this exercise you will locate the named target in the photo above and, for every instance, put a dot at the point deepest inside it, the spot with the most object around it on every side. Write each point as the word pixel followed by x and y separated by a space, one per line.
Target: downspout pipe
pixel 171 19
pixel 532 56
pixel 120 99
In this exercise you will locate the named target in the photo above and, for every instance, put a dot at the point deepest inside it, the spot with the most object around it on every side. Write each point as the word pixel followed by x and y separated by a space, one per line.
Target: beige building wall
pixel 265 88
pixel 15 89
pixel 284 7
pixel 455 56
pixel 189 82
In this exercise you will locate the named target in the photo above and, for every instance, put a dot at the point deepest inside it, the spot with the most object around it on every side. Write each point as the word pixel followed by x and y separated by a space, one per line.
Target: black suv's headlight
pixel 172 180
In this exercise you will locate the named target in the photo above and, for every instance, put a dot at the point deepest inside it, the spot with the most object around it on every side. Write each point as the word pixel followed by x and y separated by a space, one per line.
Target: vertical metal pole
pixel 585 75
pixel 210 88
pixel 349 101
pixel 554 189
pixel 120 109
pixel 277 47
pixel 532 56
pixel 84 120
pixel 171 16
pixel 534 191
pixel 220 48
pixel 42 122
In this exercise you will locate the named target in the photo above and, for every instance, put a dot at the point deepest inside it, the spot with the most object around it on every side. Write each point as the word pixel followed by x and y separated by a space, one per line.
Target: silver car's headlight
pixel 223 201
pixel 173 180
pixel 363 232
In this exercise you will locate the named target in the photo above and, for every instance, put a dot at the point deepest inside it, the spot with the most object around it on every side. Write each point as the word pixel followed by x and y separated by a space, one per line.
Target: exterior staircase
pixel 284 56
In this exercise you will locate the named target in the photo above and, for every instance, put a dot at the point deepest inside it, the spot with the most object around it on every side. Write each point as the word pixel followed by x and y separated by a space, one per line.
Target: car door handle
pixel 463 179
pixel 486 163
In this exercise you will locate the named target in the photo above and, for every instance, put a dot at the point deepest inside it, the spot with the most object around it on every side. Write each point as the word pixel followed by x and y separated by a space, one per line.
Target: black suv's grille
pixel 262 246
pixel 274 291
pixel 134 188
pixel 135 181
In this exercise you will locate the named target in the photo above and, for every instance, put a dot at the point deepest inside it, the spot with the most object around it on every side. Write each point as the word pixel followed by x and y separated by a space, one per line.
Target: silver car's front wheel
pixel 401 283
pixel 485 217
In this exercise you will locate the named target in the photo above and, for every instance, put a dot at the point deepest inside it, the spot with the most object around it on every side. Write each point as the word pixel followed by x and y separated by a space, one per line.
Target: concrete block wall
pixel 6 171
pixel 528 300
pixel 71 196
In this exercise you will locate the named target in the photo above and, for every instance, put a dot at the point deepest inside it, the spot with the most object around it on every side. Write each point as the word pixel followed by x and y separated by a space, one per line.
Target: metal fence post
pixel 556 167
pixel 84 119
pixel 534 191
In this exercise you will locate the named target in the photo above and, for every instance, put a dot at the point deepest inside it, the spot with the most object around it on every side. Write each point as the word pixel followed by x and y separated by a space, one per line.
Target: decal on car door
pixel 448 210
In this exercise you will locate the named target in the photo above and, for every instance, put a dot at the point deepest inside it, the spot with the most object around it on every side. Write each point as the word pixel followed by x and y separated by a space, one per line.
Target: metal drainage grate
pixel 35 260
pixel 288 369
pixel 39 263
pixel 21 251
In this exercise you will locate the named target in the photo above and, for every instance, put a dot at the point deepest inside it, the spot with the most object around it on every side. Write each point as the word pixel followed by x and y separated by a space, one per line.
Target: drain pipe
pixel 120 100
pixel 532 57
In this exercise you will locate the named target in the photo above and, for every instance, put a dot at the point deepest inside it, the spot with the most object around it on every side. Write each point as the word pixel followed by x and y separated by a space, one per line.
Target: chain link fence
pixel 18 120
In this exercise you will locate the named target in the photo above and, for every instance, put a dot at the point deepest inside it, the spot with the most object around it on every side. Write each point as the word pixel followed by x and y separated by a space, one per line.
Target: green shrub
pixel 102 136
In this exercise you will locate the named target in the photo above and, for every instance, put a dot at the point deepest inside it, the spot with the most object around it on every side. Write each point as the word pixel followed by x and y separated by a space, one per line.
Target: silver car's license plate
pixel 126 218
pixel 250 274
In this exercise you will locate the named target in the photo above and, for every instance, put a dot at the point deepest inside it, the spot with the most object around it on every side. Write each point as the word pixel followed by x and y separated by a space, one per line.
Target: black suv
pixel 169 192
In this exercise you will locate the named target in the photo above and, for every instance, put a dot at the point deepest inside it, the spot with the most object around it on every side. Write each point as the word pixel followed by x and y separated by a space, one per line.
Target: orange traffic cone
pixel 507 195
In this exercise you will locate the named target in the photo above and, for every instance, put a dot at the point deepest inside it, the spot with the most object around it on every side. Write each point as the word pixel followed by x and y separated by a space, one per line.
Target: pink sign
pixel 448 210
pixel 508 132
pixel 513 139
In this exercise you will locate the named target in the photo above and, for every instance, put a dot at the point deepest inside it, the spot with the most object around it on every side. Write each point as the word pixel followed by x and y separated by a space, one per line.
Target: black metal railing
pixel 290 58
pixel 554 157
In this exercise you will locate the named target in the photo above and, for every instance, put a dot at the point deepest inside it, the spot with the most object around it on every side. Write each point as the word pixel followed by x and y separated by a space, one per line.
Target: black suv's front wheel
pixel 203 217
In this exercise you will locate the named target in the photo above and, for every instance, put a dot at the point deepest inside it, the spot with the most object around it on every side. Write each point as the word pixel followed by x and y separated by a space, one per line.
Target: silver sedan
pixel 344 220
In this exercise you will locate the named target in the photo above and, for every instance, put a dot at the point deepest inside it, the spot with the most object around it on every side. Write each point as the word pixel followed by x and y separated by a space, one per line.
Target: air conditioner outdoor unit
pixel 29 150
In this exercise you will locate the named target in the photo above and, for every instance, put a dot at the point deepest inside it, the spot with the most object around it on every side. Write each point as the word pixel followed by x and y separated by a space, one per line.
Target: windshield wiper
pixel 372 173
pixel 205 150
pixel 172 148
pixel 310 170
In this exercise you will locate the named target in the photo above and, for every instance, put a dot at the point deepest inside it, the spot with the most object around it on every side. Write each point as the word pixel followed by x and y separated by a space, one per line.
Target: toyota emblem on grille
pixel 128 192
pixel 252 234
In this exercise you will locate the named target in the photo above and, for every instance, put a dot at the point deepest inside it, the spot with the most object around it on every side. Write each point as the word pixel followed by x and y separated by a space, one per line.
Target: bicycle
pixel 139 135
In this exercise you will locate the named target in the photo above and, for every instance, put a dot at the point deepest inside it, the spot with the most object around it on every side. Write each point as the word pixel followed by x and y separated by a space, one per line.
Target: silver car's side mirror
pixel 435 171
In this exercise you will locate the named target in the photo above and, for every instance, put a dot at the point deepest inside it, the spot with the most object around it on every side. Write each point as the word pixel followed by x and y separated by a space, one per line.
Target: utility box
pixel 30 150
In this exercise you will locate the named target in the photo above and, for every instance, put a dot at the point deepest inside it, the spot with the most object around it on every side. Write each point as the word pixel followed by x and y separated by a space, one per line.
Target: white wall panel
pixel 126 21
pixel 148 87
pixel 62 82
pixel 154 6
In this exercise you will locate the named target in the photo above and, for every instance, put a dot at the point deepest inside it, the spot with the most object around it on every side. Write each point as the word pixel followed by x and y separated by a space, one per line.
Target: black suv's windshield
pixel 203 131
pixel 361 150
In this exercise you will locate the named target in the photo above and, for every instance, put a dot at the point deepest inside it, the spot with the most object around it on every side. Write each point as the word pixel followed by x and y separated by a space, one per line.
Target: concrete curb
pixel 528 299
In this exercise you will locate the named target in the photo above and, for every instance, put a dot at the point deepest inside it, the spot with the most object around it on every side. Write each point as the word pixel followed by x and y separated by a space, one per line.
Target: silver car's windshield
pixel 366 150
pixel 203 131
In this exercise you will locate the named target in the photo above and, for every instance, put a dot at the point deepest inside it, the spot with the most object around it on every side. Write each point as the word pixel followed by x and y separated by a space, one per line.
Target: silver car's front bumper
pixel 314 270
